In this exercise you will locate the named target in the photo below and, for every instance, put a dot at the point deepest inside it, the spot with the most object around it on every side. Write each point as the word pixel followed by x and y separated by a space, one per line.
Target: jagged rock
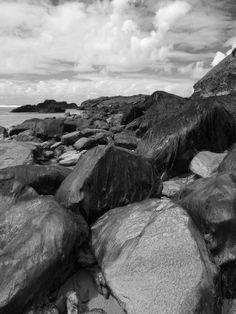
pixel 89 142
pixel 106 177
pixel 71 138
pixel 44 179
pixel 221 80
pixel 206 163
pixel 37 237
pixel 228 164
pixel 27 136
pixel 173 143
pixel 154 259
pixel 171 187
pixel 211 204
pixel 16 153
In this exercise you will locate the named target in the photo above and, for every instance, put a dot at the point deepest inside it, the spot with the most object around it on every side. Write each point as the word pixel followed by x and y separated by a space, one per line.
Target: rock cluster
pixel 126 207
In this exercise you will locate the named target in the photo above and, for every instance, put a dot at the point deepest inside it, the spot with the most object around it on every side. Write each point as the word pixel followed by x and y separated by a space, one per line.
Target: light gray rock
pixel 71 138
pixel 174 185
pixel 154 260
pixel 206 163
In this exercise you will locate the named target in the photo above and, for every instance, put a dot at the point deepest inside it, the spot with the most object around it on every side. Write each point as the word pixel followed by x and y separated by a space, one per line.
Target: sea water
pixel 8 118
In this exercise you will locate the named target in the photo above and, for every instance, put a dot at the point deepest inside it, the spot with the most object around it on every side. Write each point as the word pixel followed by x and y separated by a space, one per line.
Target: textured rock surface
pixel 221 80
pixel 229 162
pixel 174 185
pixel 36 237
pixel 126 140
pixel 206 163
pixel 154 259
pixel 108 177
pixel 15 153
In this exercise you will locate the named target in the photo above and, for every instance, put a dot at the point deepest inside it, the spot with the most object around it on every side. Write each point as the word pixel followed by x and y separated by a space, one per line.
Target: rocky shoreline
pixel 127 207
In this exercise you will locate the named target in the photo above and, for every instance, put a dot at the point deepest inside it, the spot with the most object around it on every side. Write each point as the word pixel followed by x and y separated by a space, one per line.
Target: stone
pixel 154 260
pixel 89 142
pixel 37 237
pixel 206 163
pixel 56 145
pixel 228 164
pixel 16 153
pixel 71 159
pixel 171 187
pixel 126 140
pixel 106 177
pixel 71 138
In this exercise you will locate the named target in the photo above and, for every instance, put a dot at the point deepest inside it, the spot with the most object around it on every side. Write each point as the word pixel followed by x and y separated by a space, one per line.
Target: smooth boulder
pixel 37 237
pixel 154 260
pixel 44 179
pixel 174 142
pixel 206 163
pixel 107 177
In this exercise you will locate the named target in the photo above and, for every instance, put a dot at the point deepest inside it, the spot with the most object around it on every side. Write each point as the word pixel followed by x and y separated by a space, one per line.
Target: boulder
pixel 89 142
pixel 205 163
pixel 56 145
pixel 100 124
pixel 27 136
pixel 211 204
pixel 126 140
pixel 228 164
pixel 71 138
pixel 69 158
pixel 174 142
pixel 154 260
pixel 37 237
pixel 106 177
pixel 16 153
pixel 44 179
pixel 171 187
pixel 3 133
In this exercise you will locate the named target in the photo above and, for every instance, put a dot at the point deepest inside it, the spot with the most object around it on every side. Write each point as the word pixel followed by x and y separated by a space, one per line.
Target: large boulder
pixel 206 163
pixel 44 179
pixel 228 164
pixel 37 237
pixel 154 260
pixel 211 202
pixel 221 80
pixel 106 177
pixel 43 128
pixel 174 142
pixel 16 153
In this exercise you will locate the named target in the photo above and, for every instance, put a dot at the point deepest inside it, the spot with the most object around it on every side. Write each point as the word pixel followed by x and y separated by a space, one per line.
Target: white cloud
pixel 194 70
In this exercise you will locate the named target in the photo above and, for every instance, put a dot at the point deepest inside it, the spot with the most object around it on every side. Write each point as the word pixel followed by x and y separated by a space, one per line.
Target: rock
pixel 87 132
pixel 27 136
pixel 48 154
pixel 44 129
pixel 114 120
pixel 228 164
pixel 126 140
pixel 206 163
pixel 37 237
pixel 46 145
pixel 154 259
pixel 56 145
pixel 16 153
pixel 106 177
pixel 44 179
pixel 73 124
pixel 87 143
pixel 171 187
pixel 71 138
pixel 211 204
pixel 48 106
pixel 69 158
pixel 99 124
pixel 3 133
pixel 173 143
pixel 221 80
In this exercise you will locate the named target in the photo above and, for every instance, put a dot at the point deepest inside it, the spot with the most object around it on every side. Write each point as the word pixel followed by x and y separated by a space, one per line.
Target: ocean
pixel 8 118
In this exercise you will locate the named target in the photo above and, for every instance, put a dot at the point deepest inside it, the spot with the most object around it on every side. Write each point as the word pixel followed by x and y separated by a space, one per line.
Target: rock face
pixel 211 204
pixel 44 179
pixel 206 163
pixel 36 236
pixel 126 140
pixel 221 80
pixel 16 153
pixel 229 162
pixel 106 177
pixel 154 260
pixel 174 142
pixel 49 105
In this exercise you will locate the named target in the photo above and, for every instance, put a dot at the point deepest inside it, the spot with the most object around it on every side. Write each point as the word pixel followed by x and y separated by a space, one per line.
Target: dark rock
pixel 90 132
pixel 3 132
pixel 211 204
pixel 44 129
pixel 27 136
pixel 221 80
pixel 37 237
pixel 44 179
pixel 228 164
pixel 71 125
pixel 126 140
pixel 48 106
pixel 174 142
pixel 105 178
pixel 99 124
pixel 89 142
pixel 71 138
pixel 154 259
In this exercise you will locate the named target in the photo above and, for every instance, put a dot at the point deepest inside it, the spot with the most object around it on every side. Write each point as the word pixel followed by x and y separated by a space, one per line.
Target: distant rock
pixel 221 80
pixel 48 106
pixel 154 260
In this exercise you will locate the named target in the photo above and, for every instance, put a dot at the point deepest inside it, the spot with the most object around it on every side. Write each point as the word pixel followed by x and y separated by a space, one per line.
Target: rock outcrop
pixel 154 260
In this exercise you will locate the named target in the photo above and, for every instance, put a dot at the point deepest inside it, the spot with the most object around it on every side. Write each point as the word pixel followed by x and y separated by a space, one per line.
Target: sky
pixel 79 49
